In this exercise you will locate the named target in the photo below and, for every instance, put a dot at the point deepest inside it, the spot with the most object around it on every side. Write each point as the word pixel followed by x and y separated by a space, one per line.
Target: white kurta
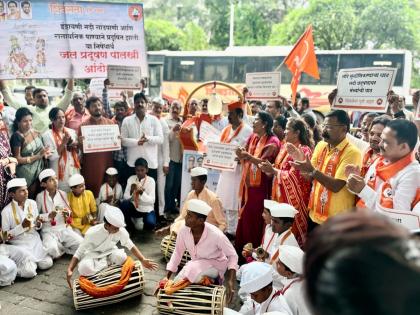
pixel 8 271
pixel 296 298
pixel 146 200
pixel 270 242
pixel 69 169
pixel 99 249
pixel 105 192
pixel 272 304
pixel 26 238
pixel 61 238
pixel 228 186
pixel 26 268
pixel 163 160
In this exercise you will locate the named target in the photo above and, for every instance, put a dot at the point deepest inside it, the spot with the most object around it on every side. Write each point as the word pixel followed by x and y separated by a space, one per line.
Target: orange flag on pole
pixel 302 58
pixel 182 95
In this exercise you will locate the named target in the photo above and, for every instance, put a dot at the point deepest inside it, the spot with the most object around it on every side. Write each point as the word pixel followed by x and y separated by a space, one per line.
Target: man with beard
pixel 120 156
pixel 375 131
pixel 365 125
pixel 40 120
pixel 76 113
pixel 329 195
pixel 393 181
pixel 95 164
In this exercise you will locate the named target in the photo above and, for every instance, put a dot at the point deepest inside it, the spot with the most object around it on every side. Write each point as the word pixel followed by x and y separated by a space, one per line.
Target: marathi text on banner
pixel 263 85
pixel 85 35
pixel 101 138
pixel 364 89
pixel 221 156
pixel 124 77
pixel 208 132
pixel 408 219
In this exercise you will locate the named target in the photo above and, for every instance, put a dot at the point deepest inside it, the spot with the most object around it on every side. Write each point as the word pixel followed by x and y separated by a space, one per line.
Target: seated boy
pixel 110 193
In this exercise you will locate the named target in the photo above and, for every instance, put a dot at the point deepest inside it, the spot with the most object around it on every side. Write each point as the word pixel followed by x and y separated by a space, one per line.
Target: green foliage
pixel 194 38
pixel 161 34
pixel 219 22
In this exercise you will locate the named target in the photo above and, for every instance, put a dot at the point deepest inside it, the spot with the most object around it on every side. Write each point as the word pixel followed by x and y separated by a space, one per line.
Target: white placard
pixel 124 77
pixel 263 85
pixel 408 219
pixel 221 156
pixel 209 133
pixel 364 89
pixel 101 138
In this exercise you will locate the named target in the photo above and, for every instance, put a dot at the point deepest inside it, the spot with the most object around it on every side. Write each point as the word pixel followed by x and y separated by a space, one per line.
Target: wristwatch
pixel 313 173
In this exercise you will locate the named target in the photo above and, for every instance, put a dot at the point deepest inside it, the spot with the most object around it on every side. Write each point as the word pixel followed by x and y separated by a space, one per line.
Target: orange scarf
pixel 385 172
pixel 226 132
pixel 62 161
pixel 325 197
pixel 103 291
pixel 136 194
pixel 368 160
pixel 251 171
pixel 283 239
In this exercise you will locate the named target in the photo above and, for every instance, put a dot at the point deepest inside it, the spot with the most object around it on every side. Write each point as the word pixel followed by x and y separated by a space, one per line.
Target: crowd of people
pixel 294 174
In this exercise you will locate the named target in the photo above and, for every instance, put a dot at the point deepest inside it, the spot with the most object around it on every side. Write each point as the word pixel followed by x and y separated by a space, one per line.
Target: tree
pixel 161 34
pixel 219 22
pixel 195 38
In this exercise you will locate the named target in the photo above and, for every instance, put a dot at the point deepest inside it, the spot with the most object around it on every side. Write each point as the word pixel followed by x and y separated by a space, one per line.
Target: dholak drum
pixel 194 299
pixel 106 277
pixel 167 247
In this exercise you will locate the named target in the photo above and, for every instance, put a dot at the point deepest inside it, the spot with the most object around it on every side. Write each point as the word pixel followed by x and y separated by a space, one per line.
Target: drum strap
pixel 90 288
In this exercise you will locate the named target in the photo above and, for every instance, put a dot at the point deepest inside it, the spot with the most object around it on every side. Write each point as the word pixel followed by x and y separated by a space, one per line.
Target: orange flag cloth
pixel 99 292
pixel 302 58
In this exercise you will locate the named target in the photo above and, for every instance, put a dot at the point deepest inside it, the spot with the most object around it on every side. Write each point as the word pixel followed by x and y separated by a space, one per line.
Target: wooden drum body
pixel 167 247
pixel 106 277
pixel 194 299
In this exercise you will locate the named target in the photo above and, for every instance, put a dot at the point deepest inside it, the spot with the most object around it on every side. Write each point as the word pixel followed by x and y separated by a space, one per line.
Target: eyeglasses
pixel 329 126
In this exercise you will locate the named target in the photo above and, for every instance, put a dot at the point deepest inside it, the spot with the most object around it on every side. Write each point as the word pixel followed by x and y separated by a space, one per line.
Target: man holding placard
pixel 237 132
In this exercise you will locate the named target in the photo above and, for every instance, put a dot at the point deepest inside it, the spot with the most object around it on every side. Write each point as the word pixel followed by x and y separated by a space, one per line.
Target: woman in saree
pixel 28 149
pixel 64 159
pixel 255 186
pixel 289 186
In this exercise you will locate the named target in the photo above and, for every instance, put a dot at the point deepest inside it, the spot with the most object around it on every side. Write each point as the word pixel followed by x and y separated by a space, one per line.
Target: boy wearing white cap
pixel 20 219
pixel 57 235
pixel 82 204
pixel 290 265
pixel 257 281
pixel 282 217
pixel 201 192
pixel 99 248
pixel 110 193
pixel 211 252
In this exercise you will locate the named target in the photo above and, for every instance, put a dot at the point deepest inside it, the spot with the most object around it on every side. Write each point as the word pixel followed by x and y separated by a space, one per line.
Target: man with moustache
pixel 120 156
pixel 393 181
pixel 76 113
pixel 329 195
pixel 373 153
pixel 95 164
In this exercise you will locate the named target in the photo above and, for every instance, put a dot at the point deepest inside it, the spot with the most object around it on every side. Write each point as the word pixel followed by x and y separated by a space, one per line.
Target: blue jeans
pixel 130 211
pixel 173 185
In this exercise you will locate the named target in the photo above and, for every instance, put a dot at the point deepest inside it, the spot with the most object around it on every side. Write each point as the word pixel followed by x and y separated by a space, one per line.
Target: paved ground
pixel 48 292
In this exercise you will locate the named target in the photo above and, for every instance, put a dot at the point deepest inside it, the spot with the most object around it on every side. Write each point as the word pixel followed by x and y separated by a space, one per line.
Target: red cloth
pixel 251 224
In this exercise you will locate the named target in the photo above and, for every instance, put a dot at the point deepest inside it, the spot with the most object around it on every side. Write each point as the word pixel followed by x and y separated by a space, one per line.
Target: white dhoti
pixel 8 271
pixel 60 240
pixel 161 180
pixel 26 268
pixel 89 266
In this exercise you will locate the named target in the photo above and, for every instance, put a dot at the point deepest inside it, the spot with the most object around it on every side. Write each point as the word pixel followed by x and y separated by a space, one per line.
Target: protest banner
pixel 364 89
pixel 408 219
pixel 191 159
pixel 124 77
pixel 101 138
pixel 263 85
pixel 84 35
pixel 220 156
pixel 209 133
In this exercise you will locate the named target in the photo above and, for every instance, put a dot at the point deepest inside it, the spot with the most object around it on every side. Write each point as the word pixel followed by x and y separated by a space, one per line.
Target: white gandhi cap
pixel 198 206
pixel 198 171
pixel 46 173
pixel 111 171
pixel 283 210
pixel 292 258
pixel 256 275
pixel 16 182
pixel 114 216
pixel 158 100
pixel 75 180
pixel 269 204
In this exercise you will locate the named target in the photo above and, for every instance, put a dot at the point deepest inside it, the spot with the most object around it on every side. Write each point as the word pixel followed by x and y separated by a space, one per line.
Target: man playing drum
pixel 211 253
pixel 99 248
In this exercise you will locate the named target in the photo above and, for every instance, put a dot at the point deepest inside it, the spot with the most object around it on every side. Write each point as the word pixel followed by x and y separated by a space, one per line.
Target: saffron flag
pixel 182 95
pixel 302 58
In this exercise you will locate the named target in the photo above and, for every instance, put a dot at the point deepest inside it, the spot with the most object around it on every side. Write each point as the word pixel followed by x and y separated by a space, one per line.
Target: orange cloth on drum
pixel 99 292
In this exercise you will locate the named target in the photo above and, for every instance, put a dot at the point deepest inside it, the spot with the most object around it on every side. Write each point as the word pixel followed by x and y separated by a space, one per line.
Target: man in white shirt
pixel 142 134
pixel 26 12
pixel 140 196
pixel 99 248
pixel 163 157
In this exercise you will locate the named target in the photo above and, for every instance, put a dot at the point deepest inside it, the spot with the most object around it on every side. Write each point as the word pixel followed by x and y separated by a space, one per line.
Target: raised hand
pixel 351 169
pixel 295 152
pixel 267 168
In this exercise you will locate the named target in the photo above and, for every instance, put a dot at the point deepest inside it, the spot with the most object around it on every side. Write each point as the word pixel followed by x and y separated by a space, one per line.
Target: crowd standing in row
pixel 293 175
